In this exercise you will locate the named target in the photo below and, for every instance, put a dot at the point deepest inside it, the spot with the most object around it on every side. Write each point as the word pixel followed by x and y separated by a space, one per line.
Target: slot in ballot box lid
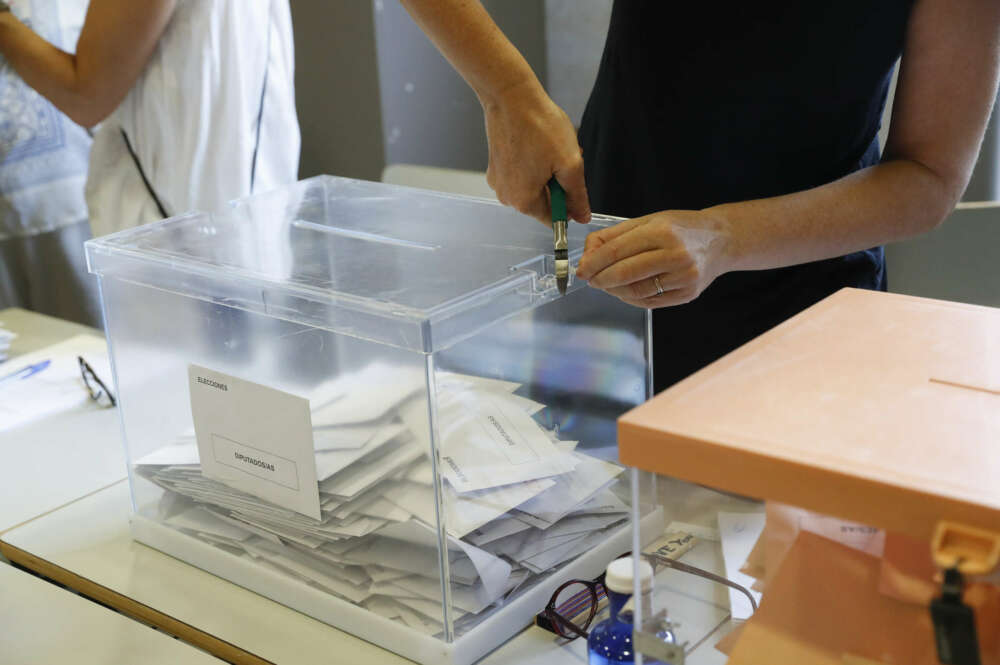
pixel 407 267
pixel 874 407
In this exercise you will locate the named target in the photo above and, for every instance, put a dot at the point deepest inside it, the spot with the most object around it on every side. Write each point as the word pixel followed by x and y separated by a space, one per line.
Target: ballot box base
pixel 470 647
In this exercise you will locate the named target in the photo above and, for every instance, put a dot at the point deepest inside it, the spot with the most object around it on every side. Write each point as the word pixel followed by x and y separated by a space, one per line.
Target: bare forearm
pixel 466 35
pixel 531 140
pixel 881 204
pixel 947 85
pixel 117 39
pixel 47 69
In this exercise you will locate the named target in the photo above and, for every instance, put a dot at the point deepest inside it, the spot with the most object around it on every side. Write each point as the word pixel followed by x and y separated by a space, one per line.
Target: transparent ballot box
pixel 371 404
pixel 866 431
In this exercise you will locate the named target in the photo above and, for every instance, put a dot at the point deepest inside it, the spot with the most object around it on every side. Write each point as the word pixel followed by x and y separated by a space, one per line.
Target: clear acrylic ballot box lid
pixel 412 268
pixel 371 404
pixel 870 423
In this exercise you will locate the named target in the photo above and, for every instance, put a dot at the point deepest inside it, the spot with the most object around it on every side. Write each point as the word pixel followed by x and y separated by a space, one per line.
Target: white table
pixel 87 546
pixel 41 624
pixel 36 331
pixel 53 461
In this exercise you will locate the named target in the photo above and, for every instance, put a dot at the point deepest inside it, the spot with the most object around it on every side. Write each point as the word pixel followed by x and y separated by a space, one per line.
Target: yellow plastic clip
pixel 972 550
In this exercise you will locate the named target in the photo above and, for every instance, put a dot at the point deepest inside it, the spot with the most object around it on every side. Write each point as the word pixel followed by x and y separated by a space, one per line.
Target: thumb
pixel 572 180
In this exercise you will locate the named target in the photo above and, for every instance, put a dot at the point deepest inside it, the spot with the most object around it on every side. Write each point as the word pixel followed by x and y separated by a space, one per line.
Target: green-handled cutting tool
pixel 557 196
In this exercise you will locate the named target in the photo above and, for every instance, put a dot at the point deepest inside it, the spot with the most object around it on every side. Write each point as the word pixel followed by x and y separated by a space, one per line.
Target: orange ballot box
pixel 872 422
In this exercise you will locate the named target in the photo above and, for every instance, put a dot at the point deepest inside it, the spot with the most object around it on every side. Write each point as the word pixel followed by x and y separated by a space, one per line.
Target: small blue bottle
pixel 610 641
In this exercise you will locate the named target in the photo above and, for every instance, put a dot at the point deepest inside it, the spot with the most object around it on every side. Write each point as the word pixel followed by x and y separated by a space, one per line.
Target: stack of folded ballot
pixel 517 501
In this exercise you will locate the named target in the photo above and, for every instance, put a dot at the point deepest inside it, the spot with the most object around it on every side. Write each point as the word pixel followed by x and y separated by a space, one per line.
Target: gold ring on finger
pixel 659 289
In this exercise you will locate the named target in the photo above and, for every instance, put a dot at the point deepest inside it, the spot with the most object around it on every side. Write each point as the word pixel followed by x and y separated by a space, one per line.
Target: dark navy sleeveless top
pixel 701 103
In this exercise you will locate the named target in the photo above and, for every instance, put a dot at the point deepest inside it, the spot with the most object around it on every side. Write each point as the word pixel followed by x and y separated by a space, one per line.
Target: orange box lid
pixel 875 407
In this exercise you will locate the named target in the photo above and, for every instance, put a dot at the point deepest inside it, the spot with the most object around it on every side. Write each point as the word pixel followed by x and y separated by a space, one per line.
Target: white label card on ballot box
pixel 256 439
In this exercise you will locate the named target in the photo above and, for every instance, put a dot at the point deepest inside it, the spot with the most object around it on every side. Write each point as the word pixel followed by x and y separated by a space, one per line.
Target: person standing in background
pixel 741 138
pixel 43 168
pixel 195 99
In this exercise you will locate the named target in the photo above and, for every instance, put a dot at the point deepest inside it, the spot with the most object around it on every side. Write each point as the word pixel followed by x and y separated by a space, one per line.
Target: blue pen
pixel 28 371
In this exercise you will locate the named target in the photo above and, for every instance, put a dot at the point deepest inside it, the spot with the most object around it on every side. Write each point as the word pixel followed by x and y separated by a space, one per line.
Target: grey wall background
pixel 336 88
pixel 575 31
pixel 429 114
pixel 985 182
pixel 960 260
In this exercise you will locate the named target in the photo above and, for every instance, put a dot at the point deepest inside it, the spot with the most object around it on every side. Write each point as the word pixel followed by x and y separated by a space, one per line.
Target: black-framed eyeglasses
pixel 95 387
pixel 575 603
pixel 572 608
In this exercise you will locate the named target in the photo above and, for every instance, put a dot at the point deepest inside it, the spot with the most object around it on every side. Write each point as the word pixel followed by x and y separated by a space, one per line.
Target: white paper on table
pixel 57 386
pixel 739 533
pixel 590 476
pixel 489 441
pixel 696 530
pixel 6 337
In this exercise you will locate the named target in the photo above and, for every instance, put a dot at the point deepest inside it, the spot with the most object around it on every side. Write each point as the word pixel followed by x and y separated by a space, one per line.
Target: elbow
pixel 943 189
pixel 91 100
pixel 88 112
pixel 950 192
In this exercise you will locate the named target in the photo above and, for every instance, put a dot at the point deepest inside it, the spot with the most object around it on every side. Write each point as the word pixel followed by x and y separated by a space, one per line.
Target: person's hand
pixel 530 141
pixel 660 260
